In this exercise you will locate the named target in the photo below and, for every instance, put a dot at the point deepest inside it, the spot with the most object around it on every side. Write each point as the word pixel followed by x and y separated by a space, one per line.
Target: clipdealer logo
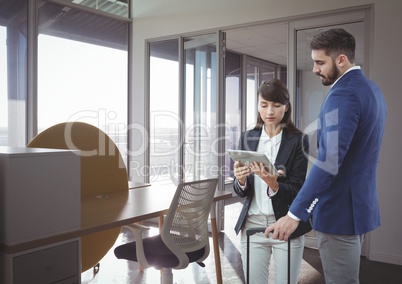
pixel 329 144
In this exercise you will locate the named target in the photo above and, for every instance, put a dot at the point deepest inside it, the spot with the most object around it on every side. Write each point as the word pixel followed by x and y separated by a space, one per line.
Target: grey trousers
pixel 340 257
pixel 262 249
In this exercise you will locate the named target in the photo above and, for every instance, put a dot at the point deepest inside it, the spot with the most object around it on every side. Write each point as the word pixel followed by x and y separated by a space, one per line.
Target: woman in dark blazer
pixel 269 196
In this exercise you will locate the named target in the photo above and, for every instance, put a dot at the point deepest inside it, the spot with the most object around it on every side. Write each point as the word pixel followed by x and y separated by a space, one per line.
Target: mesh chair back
pixel 186 225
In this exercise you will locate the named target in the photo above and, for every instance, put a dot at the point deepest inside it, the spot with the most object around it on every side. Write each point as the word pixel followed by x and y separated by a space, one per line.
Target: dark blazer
pixel 292 160
pixel 340 191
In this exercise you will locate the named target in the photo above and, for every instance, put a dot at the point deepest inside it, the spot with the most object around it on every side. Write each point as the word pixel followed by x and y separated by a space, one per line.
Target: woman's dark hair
pixel 275 91
pixel 334 42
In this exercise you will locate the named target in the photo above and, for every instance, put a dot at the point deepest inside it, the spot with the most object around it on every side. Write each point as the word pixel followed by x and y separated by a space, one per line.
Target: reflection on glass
pixel 3 89
pixel 233 108
pixel 200 155
pixel 257 72
pixel 164 111
pixel 267 74
pixel 310 91
pixel 116 7
pixel 252 86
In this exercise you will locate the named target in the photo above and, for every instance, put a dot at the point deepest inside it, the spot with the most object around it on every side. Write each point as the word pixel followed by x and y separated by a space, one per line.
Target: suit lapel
pixel 285 149
pixel 253 138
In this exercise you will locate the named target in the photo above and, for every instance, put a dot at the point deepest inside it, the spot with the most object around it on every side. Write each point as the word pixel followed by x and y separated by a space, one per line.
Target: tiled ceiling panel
pixel 269 42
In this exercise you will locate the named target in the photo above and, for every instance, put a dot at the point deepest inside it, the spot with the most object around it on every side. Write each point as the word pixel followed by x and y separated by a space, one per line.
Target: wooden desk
pixel 139 204
pixel 122 208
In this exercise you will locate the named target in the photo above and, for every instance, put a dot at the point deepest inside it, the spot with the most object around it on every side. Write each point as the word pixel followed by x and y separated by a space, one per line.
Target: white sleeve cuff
pixel 271 192
pixel 294 217
pixel 242 187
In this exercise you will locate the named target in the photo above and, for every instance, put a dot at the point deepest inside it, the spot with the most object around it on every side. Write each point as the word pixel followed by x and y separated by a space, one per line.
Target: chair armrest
pixel 138 229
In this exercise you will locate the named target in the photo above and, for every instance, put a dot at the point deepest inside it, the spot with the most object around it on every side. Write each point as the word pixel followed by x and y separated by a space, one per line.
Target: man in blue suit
pixel 340 192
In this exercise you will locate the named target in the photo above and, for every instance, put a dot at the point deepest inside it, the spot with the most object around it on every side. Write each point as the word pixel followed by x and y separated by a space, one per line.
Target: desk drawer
pixel 72 280
pixel 51 265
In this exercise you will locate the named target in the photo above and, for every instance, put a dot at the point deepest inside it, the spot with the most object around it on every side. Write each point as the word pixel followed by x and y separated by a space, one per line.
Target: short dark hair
pixel 334 42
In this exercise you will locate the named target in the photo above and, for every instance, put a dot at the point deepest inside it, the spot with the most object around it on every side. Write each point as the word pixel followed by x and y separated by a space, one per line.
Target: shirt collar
pixel 350 69
pixel 275 140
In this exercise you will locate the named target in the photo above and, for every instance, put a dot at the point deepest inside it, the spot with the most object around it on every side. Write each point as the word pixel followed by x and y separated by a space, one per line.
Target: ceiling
pixel 116 7
pixel 269 42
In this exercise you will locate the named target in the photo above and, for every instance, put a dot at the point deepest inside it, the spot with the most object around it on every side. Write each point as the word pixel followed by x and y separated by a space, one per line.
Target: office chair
pixel 102 171
pixel 184 235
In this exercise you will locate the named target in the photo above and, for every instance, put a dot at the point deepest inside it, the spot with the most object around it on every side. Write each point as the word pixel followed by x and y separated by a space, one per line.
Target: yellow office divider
pixel 102 171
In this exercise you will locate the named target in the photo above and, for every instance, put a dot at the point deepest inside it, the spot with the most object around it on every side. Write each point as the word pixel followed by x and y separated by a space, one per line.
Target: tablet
pixel 247 157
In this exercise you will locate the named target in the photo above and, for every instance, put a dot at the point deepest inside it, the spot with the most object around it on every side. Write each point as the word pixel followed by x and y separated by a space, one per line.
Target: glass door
pixel 257 71
pixel 203 113
pixel 200 108
pixel 309 93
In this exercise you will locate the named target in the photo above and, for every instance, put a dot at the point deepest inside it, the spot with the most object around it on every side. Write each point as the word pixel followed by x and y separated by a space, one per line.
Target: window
pixel 164 111
pixel 13 72
pixel 83 71
pixel 3 88
pixel 233 106
pixel 200 108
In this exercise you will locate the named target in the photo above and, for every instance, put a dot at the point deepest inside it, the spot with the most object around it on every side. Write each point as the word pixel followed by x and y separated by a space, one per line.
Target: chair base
pixel 166 276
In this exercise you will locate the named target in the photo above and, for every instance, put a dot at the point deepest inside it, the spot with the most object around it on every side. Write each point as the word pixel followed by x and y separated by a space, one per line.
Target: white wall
pixel 158 18
pixel 385 242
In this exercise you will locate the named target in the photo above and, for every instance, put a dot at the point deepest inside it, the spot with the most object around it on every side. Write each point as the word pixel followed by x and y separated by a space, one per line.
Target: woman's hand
pixel 241 172
pixel 270 179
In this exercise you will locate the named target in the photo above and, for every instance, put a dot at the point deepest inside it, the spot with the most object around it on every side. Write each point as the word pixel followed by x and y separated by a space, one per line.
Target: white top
pixel 261 203
pixel 350 69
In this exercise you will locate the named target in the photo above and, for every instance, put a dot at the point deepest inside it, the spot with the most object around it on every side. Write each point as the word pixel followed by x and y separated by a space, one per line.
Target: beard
pixel 331 77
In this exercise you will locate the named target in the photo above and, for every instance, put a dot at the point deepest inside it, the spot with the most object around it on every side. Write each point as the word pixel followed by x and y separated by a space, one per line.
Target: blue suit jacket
pixel 341 189
pixel 292 160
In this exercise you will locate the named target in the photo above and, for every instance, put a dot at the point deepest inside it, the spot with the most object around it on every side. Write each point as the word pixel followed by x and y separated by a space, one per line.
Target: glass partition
pixel 13 72
pixel 200 108
pixel 232 107
pixel 164 130
pixel 257 72
pixel 310 92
